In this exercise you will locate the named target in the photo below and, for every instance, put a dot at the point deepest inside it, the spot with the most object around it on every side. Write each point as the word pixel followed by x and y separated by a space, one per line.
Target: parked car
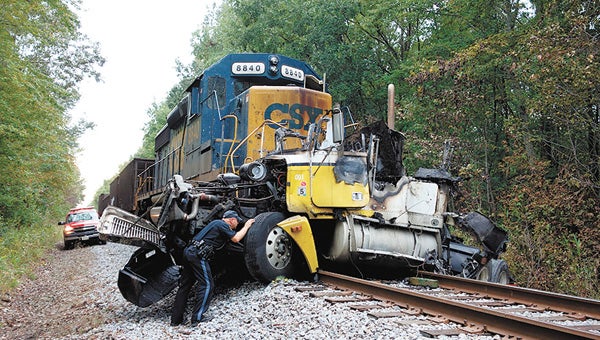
pixel 81 225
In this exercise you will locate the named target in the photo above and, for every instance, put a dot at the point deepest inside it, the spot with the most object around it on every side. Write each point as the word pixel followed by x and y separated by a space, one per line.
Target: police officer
pixel 196 265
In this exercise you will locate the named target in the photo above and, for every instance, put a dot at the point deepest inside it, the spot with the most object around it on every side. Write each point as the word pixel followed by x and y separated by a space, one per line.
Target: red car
pixel 81 225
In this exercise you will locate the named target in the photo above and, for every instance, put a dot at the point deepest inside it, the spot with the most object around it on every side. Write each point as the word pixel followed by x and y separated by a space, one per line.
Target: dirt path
pixel 58 301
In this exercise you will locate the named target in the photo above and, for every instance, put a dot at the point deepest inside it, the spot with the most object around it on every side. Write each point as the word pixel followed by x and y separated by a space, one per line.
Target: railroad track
pixel 479 308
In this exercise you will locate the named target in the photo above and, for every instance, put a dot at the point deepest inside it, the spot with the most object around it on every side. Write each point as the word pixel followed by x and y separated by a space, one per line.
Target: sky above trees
pixel 141 41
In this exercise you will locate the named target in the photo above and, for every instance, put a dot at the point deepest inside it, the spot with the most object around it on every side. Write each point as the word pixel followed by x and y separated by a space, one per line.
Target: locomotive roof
pixel 223 66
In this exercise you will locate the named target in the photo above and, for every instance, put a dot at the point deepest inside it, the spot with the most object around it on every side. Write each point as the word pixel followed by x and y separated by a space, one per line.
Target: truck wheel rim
pixel 484 274
pixel 503 278
pixel 278 248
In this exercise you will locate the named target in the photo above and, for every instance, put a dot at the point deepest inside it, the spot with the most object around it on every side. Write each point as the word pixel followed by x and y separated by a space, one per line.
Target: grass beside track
pixel 22 250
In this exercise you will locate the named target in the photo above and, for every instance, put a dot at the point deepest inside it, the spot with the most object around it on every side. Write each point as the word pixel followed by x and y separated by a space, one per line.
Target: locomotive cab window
pixel 216 84
pixel 240 86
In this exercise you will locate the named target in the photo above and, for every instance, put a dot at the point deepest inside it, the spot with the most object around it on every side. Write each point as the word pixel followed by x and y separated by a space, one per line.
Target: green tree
pixel 357 46
pixel 519 96
pixel 43 57
pixel 559 129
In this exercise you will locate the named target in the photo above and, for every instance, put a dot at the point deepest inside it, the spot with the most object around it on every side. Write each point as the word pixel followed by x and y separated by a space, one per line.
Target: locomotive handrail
pixel 243 141
pixel 213 94
pixel 141 173
pixel 142 181
pixel 229 153
pixel 162 159
pixel 151 178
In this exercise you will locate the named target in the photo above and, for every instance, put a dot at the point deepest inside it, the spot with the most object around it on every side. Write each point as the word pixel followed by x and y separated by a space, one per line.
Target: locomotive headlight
pixel 253 171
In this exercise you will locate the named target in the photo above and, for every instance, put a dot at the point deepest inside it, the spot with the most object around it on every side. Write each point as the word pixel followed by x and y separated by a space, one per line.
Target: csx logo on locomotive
pixel 300 116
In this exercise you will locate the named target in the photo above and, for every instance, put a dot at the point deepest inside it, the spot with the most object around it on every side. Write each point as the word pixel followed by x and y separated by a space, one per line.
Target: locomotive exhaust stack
pixel 270 145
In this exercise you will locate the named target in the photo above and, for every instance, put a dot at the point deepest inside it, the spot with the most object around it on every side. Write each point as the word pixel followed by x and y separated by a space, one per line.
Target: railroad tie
pixel 365 307
pixel 466 330
pixel 346 299
pixel 419 281
pixel 386 314
pixel 309 288
pixel 329 293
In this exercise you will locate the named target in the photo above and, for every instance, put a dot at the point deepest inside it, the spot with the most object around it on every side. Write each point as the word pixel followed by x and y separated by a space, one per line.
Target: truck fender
pixel 299 229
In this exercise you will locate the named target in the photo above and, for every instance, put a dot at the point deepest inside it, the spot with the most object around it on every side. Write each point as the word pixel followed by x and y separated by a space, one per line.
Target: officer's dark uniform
pixel 197 268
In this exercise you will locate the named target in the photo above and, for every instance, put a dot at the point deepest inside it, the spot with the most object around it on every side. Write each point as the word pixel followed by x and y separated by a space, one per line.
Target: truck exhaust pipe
pixel 390 107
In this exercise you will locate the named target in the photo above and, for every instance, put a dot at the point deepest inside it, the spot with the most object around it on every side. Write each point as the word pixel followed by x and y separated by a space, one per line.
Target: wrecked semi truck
pixel 258 134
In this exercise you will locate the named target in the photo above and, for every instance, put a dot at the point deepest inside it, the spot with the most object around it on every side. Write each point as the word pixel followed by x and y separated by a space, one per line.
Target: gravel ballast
pixel 75 296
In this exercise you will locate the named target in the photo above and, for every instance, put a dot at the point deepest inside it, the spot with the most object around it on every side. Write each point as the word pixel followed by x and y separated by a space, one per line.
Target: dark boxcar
pixel 103 202
pixel 136 177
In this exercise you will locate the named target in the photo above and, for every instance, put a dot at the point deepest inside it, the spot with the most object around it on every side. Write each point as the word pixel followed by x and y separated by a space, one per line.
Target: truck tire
pixel 499 272
pixel 484 273
pixel 68 245
pixel 494 271
pixel 269 250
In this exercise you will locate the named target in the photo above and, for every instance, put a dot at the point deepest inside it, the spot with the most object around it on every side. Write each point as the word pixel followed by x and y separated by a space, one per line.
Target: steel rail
pixel 493 321
pixel 547 300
